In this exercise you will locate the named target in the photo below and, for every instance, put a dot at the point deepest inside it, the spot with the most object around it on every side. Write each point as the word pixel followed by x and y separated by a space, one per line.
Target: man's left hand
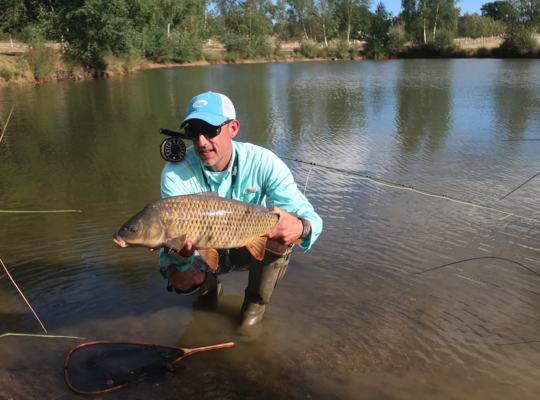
pixel 287 230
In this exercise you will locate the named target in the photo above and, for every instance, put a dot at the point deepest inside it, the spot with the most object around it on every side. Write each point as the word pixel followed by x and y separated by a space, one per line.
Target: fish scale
pixel 210 223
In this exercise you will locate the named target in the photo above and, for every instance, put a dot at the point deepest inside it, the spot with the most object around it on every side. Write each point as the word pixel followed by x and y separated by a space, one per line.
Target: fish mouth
pixel 119 241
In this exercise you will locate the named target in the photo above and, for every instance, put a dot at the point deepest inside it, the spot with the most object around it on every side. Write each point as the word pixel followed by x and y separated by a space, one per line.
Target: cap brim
pixel 210 118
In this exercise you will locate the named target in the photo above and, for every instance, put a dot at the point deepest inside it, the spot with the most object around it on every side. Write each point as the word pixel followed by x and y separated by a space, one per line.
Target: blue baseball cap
pixel 213 108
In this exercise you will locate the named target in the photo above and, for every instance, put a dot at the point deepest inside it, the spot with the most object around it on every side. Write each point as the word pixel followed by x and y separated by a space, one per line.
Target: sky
pixel 470 6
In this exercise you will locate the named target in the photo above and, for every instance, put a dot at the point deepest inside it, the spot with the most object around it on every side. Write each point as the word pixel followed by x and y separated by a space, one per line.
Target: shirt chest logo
pixel 252 190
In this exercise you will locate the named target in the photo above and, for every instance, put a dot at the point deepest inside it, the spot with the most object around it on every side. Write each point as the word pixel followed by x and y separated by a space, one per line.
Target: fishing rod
pixel 7 122
pixel 407 187
pixel 530 179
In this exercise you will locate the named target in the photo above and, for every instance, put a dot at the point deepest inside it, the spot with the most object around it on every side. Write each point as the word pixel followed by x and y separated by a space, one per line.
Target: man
pixel 240 171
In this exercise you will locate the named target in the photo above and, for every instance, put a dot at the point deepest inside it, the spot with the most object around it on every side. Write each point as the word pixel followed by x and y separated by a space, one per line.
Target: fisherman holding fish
pixel 217 165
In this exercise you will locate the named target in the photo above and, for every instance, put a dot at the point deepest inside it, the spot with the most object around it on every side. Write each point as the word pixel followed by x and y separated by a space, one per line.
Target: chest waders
pixel 264 276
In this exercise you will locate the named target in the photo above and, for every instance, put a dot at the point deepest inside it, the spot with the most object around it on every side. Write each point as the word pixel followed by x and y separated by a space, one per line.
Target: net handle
pixel 187 352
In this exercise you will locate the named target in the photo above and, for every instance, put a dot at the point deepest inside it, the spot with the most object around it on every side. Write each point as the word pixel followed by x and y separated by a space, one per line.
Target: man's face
pixel 215 153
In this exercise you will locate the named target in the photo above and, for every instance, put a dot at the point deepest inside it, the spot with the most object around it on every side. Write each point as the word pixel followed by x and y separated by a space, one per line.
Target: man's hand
pixel 287 230
pixel 187 251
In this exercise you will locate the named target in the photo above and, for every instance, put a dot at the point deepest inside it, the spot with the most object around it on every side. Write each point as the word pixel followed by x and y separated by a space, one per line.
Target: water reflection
pixel 424 111
pixel 343 321
pixel 516 100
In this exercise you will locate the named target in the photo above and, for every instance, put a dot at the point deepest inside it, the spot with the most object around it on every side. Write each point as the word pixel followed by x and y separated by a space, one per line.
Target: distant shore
pixel 15 71
pixel 11 61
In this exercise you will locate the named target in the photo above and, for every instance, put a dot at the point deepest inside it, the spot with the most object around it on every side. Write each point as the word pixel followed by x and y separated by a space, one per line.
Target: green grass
pixel 213 57
pixel 232 58
pixel 41 61
pixel 6 73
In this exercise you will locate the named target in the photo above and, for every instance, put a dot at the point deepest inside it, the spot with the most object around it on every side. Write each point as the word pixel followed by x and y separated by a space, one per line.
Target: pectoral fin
pixel 176 243
pixel 257 247
pixel 210 256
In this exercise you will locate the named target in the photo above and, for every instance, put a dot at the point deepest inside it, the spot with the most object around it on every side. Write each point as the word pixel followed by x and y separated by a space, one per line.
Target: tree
pixel 423 16
pixel 379 26
pixel 94 25
pixel 353 16
pixel 498 10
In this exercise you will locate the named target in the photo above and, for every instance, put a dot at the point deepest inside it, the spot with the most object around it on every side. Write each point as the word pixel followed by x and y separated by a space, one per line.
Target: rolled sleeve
pixel 282 192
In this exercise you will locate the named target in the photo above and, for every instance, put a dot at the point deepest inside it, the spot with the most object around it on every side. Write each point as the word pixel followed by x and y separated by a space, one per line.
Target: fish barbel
pixel 208 221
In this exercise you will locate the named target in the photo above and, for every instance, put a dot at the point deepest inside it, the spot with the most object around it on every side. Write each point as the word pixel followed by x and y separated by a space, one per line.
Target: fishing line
pixel 41 336
pixel 397 185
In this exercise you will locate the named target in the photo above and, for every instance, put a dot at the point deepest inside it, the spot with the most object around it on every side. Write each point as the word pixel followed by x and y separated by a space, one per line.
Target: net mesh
pixel 105 366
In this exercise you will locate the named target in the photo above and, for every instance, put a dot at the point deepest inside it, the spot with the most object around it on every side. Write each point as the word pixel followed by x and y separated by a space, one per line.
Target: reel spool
pixel 172 149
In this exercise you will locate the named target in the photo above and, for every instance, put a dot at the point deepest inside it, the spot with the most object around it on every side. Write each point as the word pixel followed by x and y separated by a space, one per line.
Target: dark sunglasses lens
pixel 209 133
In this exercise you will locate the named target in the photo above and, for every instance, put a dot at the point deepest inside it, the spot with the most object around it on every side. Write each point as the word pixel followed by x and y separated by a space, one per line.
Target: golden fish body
pixel 206 220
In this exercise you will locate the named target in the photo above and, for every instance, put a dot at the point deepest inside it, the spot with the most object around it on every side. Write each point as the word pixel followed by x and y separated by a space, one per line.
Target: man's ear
pixel 234 127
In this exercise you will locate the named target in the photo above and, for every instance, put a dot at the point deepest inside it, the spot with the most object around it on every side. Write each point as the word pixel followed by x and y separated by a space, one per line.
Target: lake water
pixel 350 319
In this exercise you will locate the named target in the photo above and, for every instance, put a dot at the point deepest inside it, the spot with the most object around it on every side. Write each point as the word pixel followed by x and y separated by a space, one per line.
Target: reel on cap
pixel 172 149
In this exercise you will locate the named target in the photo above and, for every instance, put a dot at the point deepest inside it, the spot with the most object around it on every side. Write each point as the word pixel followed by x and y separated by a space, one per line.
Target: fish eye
pixel 133 229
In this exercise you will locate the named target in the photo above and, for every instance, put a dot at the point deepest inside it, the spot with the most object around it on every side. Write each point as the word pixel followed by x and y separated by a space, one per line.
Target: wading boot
pixel 263 278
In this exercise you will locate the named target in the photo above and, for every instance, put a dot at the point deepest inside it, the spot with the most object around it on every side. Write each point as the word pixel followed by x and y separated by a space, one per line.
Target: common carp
pixel 208 221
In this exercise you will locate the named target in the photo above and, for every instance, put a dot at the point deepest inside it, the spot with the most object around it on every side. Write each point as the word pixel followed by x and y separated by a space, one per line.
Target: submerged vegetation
pixel 80 38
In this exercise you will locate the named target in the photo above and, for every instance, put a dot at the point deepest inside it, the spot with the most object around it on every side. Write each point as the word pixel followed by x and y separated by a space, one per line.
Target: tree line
pixel 180 30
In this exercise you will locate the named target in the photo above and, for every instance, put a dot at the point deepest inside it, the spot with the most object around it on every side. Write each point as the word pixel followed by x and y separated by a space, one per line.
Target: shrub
pixel 443 38
pixel 213 57
pixel 519 41
pixel 42 61
pixel 161 55
pixel 185 46
pixel 233 57
pixel 309 49
pixel 483 52
pixel 297 55
pixel 130 62
pixel 6 73
pixel 339 49
pixel 396 41
pixel 261 46
pixel 236 43
pixel 265 47
pixel 72 65
pixel 380 53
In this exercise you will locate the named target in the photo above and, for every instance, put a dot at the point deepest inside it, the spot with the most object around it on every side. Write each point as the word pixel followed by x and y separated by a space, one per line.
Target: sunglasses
pixel 209 132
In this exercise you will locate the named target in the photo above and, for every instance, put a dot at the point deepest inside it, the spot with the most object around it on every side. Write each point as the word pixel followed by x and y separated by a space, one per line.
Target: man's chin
pixel 209 162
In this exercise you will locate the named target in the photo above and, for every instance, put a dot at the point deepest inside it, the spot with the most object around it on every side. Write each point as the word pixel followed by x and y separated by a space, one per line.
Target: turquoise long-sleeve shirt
pixel 262 177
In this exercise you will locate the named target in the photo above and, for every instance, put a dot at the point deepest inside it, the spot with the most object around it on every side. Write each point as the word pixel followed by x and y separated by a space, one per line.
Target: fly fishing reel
pixel 173 148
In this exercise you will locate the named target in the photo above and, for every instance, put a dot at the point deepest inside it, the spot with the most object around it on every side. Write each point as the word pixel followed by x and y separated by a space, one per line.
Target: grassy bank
pixel 26 64
pixel 46 63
